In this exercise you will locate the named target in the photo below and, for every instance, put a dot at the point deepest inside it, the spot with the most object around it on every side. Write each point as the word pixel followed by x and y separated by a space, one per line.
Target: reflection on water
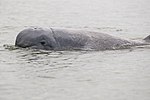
pixel 76 74
pixel 41 61
pixel 27 74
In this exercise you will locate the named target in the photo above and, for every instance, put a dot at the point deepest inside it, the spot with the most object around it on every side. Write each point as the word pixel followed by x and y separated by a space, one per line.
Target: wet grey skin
pixel 69 39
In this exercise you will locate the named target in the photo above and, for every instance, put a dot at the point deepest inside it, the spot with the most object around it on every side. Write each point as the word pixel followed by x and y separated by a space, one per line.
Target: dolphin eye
pixel 46 45
pixel 43 42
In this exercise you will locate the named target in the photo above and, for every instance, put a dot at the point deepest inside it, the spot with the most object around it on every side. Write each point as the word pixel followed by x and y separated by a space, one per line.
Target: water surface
pixel 75 75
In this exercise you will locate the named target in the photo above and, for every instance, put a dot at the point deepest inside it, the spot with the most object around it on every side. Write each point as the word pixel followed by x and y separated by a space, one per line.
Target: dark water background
pixel 75 75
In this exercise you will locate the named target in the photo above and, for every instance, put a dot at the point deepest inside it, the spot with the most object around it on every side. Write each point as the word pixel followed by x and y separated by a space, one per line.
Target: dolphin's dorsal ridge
pixel 147 39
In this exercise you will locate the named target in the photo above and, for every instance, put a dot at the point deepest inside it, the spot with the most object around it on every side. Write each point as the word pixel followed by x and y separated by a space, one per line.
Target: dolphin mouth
pixel 24 45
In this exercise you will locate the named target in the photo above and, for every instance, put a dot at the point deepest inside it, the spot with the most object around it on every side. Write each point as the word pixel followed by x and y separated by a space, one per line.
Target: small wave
pixel 10 47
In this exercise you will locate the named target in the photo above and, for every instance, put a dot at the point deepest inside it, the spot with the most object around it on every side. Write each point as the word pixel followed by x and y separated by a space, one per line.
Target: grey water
pixel 75 75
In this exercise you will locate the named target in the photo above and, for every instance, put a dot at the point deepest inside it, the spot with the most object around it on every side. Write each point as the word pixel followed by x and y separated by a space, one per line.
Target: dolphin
pixel 71 39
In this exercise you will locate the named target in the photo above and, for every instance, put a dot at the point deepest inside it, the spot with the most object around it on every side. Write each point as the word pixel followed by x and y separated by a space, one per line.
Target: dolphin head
pixel 37 38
